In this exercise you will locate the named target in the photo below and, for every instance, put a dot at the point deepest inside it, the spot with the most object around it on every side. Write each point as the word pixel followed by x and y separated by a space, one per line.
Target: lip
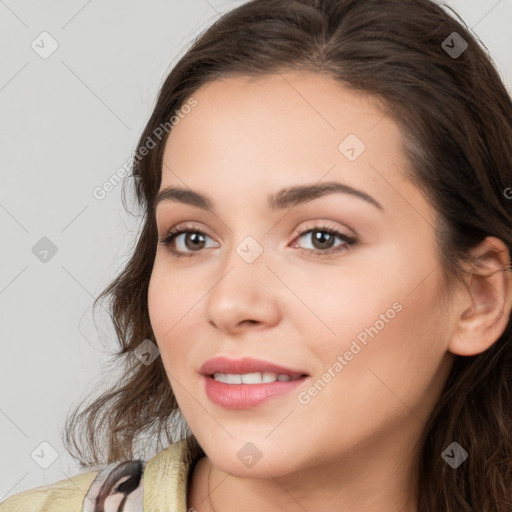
pixel 245 365
pixel 245 396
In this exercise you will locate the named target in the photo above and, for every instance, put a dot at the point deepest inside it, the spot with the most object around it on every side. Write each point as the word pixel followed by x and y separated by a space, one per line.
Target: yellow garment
pixel 165 481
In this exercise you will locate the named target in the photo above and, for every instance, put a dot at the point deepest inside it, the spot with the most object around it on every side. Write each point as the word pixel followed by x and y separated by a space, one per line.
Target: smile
pixel 252 378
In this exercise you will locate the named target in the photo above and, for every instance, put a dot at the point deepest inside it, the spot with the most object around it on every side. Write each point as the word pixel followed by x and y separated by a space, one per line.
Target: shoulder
pixel 95 490
pixel 117 486
pixel 163 477
pixel 63 496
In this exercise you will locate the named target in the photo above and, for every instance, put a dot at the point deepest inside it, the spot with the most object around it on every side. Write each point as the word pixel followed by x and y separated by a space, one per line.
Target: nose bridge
pixel 242 291
pixel 243 268
pixel 246 242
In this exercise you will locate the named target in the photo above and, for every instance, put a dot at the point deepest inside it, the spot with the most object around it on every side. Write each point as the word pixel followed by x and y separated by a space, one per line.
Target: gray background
pixel 69 122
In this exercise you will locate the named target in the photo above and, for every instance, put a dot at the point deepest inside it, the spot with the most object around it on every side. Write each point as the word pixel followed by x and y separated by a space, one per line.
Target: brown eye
pixel 323 240
pixel 192 240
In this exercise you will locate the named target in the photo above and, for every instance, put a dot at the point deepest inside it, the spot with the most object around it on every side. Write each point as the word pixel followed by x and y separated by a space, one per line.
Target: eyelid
pixel 185 226
pixel 327 224
pixel 311 224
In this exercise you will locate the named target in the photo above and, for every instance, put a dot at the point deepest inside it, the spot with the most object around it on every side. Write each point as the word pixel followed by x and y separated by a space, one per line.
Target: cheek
pixel 159 303
pixel 355 302
pixel 385 320
pixel 171 294
pixel 393 359
pixel 174 302
pixel 164 309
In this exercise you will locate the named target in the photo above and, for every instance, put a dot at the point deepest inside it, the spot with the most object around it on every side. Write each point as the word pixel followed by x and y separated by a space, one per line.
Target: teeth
pixel 251 378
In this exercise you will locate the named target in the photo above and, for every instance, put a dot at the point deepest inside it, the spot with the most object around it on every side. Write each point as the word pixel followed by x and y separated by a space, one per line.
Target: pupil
pixel 195 237
pixel 323 238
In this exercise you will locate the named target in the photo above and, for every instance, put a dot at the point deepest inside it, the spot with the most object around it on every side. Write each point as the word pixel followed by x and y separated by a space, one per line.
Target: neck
pixel 362 480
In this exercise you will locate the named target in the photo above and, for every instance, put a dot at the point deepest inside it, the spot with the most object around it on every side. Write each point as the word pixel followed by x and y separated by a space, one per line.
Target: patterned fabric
pixel 166 476
pixel 118 487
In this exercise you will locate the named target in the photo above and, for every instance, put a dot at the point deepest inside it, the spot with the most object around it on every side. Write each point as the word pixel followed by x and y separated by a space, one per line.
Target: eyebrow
pixel 287 197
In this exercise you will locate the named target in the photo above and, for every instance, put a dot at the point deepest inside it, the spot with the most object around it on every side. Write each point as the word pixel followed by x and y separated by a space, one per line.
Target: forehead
pixel 246 134
pixel 281 110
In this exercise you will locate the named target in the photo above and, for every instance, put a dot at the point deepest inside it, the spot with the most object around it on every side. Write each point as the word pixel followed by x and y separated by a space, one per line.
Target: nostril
pixel 251 321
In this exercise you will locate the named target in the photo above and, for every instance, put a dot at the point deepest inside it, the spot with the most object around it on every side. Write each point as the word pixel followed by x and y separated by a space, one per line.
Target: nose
pixel 244 296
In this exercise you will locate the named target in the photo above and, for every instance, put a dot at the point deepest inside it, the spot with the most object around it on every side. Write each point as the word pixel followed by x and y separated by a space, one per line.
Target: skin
pixel 352 447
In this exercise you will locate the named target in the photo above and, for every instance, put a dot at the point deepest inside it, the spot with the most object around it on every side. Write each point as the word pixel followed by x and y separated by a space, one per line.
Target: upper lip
pixel 245 365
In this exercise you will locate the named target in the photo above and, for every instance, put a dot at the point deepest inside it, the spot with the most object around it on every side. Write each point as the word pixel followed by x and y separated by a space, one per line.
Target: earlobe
pixel 483 308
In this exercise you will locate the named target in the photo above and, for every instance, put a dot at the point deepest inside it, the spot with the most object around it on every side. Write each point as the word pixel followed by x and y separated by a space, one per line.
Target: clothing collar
pixel 166 476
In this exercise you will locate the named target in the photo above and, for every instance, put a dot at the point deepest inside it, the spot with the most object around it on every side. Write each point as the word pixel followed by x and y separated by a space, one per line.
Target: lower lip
pixel 244 396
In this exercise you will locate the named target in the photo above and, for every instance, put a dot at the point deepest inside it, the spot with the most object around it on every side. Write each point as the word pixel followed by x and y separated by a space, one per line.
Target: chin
pixel 254 457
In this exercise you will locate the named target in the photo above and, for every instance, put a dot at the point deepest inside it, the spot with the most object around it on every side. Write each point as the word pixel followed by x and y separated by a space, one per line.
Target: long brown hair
pixel 455 116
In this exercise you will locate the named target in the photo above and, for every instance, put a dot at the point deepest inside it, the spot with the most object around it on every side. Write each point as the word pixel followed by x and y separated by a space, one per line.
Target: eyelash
pixel 173 233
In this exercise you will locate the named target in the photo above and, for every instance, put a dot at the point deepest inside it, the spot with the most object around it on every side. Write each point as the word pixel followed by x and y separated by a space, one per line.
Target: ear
pixel 483 307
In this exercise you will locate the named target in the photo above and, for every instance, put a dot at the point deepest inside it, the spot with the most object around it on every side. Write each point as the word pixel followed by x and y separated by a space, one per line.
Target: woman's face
pixel 355 310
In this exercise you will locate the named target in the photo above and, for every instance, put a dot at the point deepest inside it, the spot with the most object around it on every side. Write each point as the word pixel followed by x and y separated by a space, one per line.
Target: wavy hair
pixel 455 117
